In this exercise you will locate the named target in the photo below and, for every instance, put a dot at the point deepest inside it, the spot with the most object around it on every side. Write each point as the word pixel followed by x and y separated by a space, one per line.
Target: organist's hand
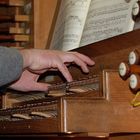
pixel 38 61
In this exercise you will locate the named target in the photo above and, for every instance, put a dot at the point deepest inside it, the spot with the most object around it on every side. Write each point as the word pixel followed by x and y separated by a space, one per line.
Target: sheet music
pixel 70 24
pixel 106 19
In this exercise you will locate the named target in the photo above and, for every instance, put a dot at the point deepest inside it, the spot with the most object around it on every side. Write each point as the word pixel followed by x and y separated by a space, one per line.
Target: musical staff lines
pixel 70 23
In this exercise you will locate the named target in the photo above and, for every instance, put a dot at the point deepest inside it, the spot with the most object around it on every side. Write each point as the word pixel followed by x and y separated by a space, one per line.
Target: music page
pixel 69 25
pixel 107 18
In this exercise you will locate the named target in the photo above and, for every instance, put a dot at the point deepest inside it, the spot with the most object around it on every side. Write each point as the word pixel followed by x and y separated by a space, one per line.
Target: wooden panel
pixel 29 127
pixel 112 114
pixel 44 11
pixel 86 116
pixel 124 116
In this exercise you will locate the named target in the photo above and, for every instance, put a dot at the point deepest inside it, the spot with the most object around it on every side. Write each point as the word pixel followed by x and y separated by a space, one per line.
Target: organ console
pixel 95 105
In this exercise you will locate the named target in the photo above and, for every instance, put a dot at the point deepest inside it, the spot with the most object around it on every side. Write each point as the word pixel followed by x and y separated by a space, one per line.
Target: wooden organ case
pixel 95 104
pixel 22 26
pixel 14 24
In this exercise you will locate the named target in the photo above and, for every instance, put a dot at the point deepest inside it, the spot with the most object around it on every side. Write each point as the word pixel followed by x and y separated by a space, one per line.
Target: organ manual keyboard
pixel 94 104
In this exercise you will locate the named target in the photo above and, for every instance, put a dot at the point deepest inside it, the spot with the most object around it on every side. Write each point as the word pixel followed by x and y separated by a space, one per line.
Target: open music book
pixel 82 22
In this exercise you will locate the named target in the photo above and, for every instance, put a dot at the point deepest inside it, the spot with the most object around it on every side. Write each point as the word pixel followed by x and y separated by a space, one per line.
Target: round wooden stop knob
pixel 134 82
pixel 126 70
pixel 134 57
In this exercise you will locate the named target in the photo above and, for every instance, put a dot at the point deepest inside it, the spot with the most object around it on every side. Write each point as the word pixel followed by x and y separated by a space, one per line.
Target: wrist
pixel 26 58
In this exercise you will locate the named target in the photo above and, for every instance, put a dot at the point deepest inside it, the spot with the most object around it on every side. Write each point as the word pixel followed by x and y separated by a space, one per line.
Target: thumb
pixel 40 87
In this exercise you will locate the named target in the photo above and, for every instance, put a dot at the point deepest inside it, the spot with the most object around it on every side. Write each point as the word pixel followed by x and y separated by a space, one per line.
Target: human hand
pixel 38 61
pixel 28 82
pixel 41 60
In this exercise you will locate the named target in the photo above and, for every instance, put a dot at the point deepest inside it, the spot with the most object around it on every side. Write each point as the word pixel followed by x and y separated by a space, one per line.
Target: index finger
pixel 65 72
pixel 84 58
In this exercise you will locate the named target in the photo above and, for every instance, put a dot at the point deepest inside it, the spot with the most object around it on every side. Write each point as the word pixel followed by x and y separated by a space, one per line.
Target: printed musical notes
pixel 70 23
pixel 107 19
pixel 82 22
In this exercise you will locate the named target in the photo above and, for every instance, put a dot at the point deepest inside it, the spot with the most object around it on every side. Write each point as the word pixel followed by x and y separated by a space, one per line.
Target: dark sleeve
pixel 11 64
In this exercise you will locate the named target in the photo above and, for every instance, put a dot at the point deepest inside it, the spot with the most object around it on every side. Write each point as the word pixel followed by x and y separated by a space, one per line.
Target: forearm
pixel 11 65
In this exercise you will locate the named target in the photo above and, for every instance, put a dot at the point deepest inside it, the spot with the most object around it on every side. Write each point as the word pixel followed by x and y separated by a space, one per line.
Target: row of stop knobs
pixel 131 70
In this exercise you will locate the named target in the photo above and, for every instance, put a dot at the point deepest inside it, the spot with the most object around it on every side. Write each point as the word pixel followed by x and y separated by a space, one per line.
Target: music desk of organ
pixel 95 104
